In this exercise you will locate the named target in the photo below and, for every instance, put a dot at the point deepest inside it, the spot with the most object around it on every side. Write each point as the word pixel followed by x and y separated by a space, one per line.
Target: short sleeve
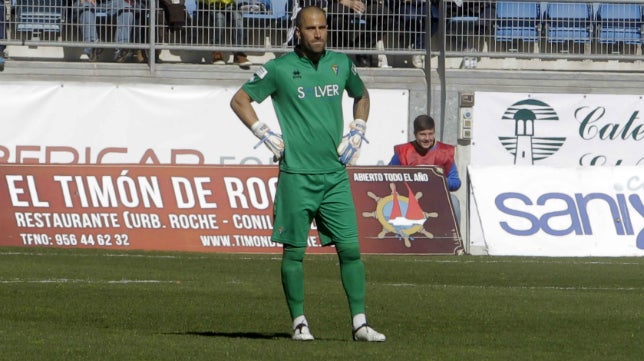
pixel 354 85
pixel 262 84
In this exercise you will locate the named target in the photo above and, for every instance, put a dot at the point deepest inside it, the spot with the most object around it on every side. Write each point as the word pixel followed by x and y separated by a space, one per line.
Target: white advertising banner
pixel 557 129
pixel 103 123
pixel 557 211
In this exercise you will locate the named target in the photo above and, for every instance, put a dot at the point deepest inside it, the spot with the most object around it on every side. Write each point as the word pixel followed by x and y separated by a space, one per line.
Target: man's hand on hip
pixel 349 148
pixel 273 141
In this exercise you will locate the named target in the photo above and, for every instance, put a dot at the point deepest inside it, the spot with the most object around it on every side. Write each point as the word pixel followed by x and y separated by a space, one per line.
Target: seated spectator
pixel 2 35
pixel 426 150
pixel 171 17
pixel 122 10
pixel 412 16
pixel 226 12
pixel 358 24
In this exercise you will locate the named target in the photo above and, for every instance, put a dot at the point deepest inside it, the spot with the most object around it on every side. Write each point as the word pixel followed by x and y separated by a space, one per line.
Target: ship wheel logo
pixel 400 215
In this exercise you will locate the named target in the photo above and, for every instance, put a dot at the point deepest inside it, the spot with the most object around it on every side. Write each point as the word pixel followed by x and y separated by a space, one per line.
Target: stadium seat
pixel 39 16
pixel 268 19
pixel 619 23
pixel 517 21
pixel 467 24
pixel 568 22
pixel 264 9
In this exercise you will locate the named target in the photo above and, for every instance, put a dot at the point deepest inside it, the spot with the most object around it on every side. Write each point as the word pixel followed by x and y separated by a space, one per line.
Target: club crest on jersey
pixel 353 69
pixel 335 68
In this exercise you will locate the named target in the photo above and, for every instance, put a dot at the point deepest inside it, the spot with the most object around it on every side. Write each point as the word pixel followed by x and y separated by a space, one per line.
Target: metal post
pixel 442 29
pixel 152 56
pixel 428 56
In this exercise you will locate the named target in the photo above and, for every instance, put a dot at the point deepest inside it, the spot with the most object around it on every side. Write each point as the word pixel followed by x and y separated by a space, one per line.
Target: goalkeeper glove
pixel 349 148
pixel 273 141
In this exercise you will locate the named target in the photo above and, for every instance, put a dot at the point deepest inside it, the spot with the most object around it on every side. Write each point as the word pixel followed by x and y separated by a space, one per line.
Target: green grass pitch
pixel 59 304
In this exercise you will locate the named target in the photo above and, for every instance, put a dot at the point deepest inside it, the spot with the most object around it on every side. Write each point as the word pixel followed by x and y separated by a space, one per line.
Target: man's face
pixel 313 32
pixel 426 138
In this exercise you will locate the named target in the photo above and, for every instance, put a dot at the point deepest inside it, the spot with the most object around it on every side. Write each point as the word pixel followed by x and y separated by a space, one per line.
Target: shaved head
pixel 305 11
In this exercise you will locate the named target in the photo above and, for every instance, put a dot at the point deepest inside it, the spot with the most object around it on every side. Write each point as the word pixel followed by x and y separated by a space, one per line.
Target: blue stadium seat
pixel 517 21
pixel 264 9
pixel 39 16
pixel 619 23
pixel 569 22
pixel 466 23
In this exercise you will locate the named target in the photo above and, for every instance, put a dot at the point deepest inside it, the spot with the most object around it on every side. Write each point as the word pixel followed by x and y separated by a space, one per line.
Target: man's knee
pixel 292 253
pixel 348 252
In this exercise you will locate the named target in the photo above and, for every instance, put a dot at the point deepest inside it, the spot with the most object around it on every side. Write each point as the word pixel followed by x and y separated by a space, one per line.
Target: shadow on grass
pixel 250 335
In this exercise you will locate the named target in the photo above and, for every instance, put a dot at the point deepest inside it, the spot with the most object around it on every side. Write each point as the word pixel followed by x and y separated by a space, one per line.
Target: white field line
pixel 93 255
pixel 555 288
pixel 88 281
pixel 393 258
pixel 435 286
pixel 545 260
pixel 126 254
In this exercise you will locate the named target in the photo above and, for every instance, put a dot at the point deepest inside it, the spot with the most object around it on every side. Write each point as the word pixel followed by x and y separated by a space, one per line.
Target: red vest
pixel 441 155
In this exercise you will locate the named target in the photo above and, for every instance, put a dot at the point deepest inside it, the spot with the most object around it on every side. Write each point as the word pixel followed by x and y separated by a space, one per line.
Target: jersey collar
pixel 300 53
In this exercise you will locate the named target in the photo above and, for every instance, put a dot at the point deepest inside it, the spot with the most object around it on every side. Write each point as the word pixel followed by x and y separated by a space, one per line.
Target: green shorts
pixel 325 198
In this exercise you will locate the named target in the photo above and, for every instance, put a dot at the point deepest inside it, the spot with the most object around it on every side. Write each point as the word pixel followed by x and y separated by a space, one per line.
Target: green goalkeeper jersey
pixel 307 99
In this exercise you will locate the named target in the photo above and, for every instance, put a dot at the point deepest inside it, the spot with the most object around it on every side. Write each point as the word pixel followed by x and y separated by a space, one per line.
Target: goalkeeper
pixel 306 87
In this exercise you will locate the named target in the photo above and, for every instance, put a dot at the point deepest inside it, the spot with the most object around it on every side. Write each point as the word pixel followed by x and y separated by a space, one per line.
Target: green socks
pixel 293 279
pixel 353 276
pixel 352 272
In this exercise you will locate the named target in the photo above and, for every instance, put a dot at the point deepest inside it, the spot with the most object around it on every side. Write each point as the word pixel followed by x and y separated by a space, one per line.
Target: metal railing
pixel 564 29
